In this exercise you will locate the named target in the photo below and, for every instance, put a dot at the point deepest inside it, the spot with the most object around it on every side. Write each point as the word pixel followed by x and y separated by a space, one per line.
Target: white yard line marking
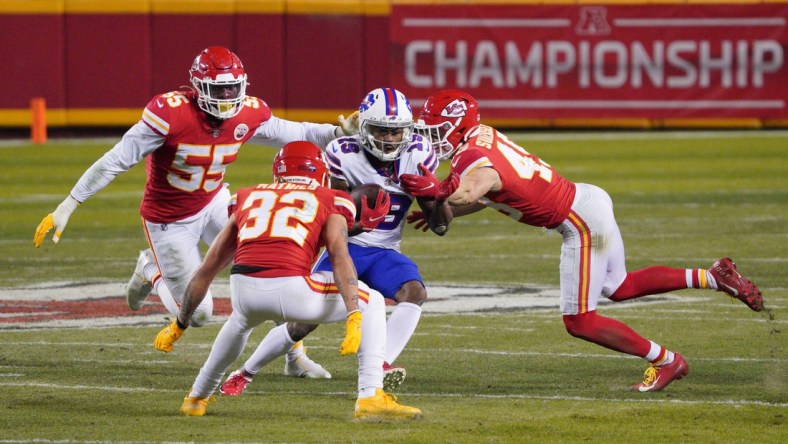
pixel 343 394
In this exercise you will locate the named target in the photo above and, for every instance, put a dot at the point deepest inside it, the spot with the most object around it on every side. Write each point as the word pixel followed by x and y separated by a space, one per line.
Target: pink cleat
pixel 235 384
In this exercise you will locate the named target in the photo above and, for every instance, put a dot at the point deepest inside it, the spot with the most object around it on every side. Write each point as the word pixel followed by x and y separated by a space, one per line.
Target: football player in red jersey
pixel 495 172
pixel 296 216
pixel 187 139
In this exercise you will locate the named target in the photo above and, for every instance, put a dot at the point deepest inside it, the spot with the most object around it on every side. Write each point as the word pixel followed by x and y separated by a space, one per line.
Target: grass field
pixel 681 199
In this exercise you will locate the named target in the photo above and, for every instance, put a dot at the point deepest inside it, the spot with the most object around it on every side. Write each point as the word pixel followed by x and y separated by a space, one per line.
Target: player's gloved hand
pixel 352 334
pixel 167 336
pixel 372 217
pixel 428 185
pixel 349 126
pixel 57 220
pixel 419 219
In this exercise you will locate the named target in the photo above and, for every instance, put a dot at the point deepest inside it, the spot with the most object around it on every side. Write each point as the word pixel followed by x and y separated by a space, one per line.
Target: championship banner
pixel 693 61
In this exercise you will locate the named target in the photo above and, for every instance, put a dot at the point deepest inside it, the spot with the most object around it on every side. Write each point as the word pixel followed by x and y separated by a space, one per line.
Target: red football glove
pixel 372 217
pixel 427 185
pixel 419 219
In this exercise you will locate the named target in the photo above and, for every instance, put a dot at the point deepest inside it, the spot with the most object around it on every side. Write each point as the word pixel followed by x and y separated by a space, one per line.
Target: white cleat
pixel 139 288
pixel 303 367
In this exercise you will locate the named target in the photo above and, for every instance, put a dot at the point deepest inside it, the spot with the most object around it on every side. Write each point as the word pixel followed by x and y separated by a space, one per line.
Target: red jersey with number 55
pixel 188 170
pixel 280 226
pixel 533 192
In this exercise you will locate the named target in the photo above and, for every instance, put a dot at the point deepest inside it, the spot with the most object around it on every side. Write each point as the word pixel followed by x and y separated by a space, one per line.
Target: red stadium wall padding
pixel 33 55
pixel 376 54
pixel 98 62
pixel 327 71
pixel 176 39
pixel 262 50
pixel 105 66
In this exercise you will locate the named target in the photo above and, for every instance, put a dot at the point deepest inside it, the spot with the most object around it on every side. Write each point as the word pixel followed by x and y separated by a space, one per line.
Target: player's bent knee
pixel 298 331
pixel 579 325
pixel 413 292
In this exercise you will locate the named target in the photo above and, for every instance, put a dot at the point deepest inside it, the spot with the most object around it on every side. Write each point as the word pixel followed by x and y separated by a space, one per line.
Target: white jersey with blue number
pixel 348 161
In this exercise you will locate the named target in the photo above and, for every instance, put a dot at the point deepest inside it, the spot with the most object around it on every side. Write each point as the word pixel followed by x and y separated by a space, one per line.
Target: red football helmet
pixel 219 79
pixel 301 162
pixel 446 119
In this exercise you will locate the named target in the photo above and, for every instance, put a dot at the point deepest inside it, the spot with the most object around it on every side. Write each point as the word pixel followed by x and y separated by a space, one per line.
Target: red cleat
pixel 235 384
pixel 392 376
pixel 657 378
pixel 733 283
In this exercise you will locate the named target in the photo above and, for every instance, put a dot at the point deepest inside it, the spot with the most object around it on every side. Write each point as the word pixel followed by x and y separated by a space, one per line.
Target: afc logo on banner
pixel 593 21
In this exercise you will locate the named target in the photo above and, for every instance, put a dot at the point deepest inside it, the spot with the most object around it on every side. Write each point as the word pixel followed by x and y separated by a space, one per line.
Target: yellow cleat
pixel 384 406
pixel 195 406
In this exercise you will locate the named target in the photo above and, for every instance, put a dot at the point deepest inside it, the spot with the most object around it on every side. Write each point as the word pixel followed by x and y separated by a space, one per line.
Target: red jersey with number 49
pixel 280 226
pixel 533 192
pixel 187 171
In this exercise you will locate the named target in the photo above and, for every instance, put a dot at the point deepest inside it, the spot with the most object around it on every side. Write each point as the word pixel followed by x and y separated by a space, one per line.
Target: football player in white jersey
pixel 385 148
pixel 188 138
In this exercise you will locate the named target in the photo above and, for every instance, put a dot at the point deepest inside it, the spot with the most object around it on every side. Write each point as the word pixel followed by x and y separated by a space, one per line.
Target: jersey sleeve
pixel 334 158
pixel 156 114
pixel 277 132
pixel 427 155
pixel 468 161
pixel 139 141
pixel 344 205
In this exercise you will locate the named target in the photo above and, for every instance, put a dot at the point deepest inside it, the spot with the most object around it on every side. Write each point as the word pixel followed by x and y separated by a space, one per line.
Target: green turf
pixel 681 199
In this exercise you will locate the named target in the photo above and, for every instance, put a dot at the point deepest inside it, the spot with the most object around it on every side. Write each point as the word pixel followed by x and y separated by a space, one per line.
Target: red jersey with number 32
pixel 533 192
pixel 280 226
pixel 188 170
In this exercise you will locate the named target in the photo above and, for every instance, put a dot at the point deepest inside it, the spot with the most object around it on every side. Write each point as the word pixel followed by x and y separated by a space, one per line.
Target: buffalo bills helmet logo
pixel 367 103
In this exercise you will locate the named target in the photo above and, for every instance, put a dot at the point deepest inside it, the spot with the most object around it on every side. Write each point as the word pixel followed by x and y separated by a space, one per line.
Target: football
pixel 368 189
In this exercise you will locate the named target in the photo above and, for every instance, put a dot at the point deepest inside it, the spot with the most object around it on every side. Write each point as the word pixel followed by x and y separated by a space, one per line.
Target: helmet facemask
pixel 385 110
pixel 438 135
pixel 222 97
pixel 385 150
pixel 446 119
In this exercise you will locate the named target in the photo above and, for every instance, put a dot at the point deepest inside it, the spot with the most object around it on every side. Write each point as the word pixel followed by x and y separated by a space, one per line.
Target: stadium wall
pixel 646 64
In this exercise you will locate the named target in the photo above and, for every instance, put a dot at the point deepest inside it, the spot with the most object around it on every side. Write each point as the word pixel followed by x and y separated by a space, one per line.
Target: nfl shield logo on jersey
pixel 240 131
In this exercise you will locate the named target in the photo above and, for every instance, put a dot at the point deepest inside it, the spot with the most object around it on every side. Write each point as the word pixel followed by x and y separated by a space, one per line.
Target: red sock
pixel 651 280
pixel 607 332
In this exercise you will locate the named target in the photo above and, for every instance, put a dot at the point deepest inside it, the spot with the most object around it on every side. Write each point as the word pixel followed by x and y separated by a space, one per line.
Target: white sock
pixel 399 328
pixel 276 343
pixel 373 345
pixel 712 283
pixel 295 351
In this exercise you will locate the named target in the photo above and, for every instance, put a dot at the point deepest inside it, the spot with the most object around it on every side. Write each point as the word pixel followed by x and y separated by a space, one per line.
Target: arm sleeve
pixel 277 132
pixel 138 142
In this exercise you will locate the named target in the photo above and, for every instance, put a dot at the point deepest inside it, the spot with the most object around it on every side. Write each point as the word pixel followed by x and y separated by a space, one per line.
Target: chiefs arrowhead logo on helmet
pixel 456 108
pixel 446 118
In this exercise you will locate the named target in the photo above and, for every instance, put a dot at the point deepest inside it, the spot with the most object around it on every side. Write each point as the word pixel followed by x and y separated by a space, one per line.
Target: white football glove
pixel 57 220
pixel 349 126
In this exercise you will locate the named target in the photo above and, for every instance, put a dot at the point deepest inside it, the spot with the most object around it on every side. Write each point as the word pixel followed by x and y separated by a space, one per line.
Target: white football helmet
pixel 385 108
pixel 219 79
